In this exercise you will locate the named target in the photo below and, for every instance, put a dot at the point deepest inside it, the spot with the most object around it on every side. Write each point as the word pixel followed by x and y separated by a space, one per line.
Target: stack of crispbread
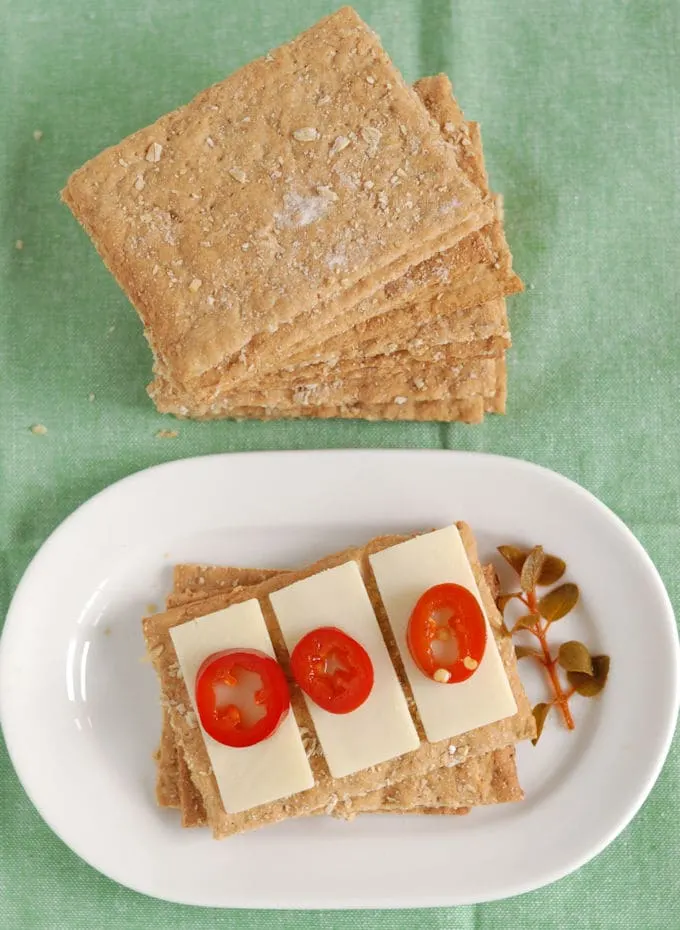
pixel 447 777
pixel 310 238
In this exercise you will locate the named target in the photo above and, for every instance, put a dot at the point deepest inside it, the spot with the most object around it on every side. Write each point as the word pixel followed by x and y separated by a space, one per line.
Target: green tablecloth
pixel 580 107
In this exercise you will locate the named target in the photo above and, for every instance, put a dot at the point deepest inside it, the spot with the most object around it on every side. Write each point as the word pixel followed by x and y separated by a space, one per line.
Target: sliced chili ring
pixel 451 614
pixel 332 669
pixel 226 722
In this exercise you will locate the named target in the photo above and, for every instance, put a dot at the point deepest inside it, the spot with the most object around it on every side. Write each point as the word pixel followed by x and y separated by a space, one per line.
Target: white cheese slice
pixel 403 573
pixel 382 727
pixel 275 768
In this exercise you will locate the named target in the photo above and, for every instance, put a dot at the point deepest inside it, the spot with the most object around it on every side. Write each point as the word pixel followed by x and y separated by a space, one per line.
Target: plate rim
pixel 44 552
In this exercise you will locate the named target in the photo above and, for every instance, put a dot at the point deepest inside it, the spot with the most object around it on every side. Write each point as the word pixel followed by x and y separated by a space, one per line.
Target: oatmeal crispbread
pixel 268 198
pixel 477 269
pixel 378 381
pixel 404 407
pixel 486 779
pixel 428 756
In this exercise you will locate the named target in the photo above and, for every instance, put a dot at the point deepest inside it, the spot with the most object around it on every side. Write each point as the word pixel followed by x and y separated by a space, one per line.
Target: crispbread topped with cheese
pixel 490 778
pixel 428 756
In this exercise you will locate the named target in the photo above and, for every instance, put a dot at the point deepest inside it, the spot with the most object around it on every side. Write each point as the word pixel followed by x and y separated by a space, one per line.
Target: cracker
pixel 428 756
pixel 379 381
pixel 487 779
pixel 433 322
pixel 409 407
pixel 451 265
pixel 168 792
pixel 190 582
pixel 191 803
pixel 253 161
pixel 477 269
pixel 483 328
pixel 438 317
pixel 463 411
pixel 490 778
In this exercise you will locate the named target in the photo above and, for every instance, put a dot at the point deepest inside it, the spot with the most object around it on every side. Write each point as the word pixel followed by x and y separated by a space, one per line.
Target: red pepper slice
pixel 333 669
pixel 260 701
pixel 446 633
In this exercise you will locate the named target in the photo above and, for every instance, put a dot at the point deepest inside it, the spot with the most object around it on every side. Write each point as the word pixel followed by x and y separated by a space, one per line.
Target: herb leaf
pixel 591 685
pixel 527 622
pixel 522 652
pixel 531 569
pixel 574 657
pixel 513 556
pixel 503 600
pixel 540 712
pixel 558 602
pixel 552 571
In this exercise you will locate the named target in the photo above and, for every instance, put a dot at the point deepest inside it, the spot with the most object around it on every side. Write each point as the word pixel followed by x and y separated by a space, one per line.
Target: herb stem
pixel 561 699
pixel 536 655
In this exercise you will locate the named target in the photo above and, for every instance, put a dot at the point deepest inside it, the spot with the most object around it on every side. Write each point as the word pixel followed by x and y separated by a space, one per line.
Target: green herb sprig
pixel 586 674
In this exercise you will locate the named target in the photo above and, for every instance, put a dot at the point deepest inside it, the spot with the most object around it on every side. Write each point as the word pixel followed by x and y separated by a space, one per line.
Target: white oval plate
pixel 82 724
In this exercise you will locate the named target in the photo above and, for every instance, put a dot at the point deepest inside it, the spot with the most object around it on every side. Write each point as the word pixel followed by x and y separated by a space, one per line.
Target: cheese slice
pixel 382 727
pixel 275 768
pixel 403 573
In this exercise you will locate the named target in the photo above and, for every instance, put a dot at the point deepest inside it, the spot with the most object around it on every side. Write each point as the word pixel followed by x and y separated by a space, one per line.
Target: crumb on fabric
pixel 19 244
pixel 38 429
pixel 37 134
pixel 167 434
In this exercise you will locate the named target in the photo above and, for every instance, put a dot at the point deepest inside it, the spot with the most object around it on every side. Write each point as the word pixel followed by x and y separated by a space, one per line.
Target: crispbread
pixel 191 803
pixel 251 162
pixel 487 779
pixel 464 411
pixel 379 381
pixel 444 313
pixel 483 329
pixel 191 582
pixel 472 330
pixel 490 778
pixel 477 269
pixel 428 756
pixel 470 410
pixel 168 780
pixel 270 350
pixel 480 263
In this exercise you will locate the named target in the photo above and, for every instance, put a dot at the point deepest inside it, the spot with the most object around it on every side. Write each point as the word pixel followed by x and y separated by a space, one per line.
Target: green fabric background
pixel 579 105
